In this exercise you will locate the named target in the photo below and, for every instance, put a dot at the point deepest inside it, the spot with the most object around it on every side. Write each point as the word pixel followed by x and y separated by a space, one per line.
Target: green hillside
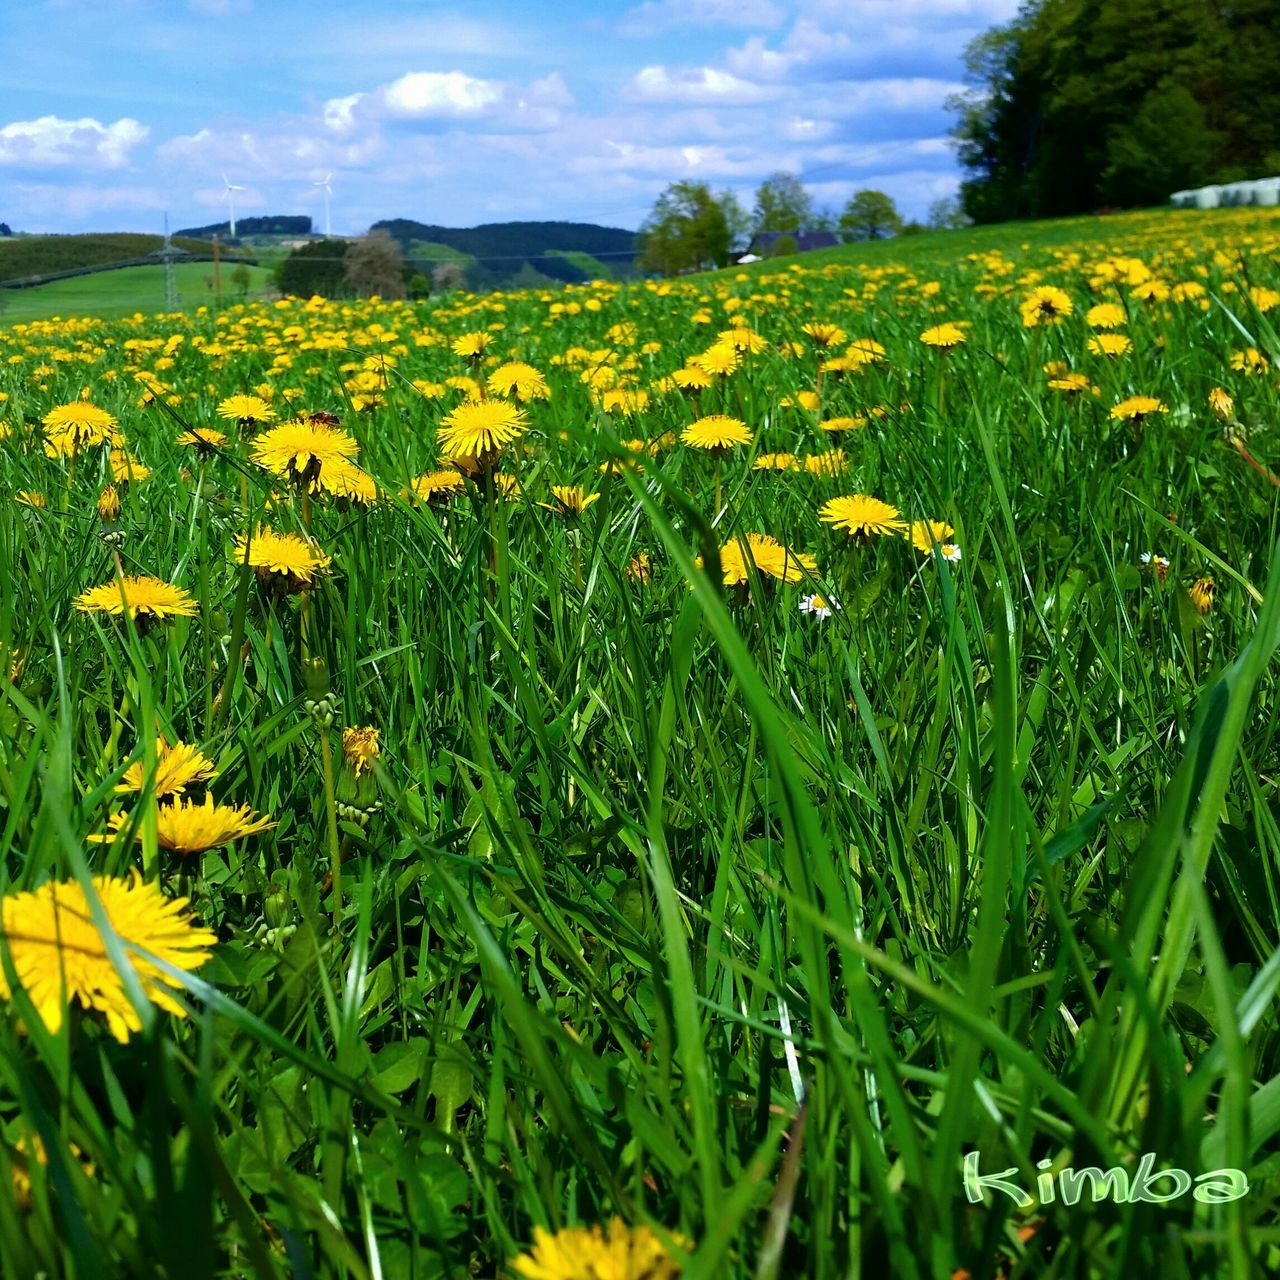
pixel 22 256
pixel 119 293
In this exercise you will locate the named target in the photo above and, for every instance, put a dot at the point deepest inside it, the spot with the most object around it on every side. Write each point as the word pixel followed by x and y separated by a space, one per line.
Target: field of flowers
pixel 651 780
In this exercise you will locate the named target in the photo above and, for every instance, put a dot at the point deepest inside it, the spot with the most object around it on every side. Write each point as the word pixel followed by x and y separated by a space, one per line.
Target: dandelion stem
pixel 331 808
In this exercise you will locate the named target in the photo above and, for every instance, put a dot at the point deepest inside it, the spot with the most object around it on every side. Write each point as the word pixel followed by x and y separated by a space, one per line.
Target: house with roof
pixel 764 243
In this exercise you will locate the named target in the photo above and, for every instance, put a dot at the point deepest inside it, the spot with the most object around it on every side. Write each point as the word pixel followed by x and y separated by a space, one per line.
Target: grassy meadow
pixel 573 858
pixel 124 292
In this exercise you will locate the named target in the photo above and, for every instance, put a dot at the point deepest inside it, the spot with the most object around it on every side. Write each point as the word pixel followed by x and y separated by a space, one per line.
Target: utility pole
pixel 167 255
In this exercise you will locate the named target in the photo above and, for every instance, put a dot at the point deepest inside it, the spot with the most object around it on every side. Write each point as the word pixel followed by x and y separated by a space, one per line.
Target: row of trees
pixel 692 227
pixel 373 264
pixel 1081 104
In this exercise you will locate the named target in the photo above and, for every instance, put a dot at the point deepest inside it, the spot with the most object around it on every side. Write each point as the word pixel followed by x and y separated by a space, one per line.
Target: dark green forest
pixel 280 224
pixel 1081 105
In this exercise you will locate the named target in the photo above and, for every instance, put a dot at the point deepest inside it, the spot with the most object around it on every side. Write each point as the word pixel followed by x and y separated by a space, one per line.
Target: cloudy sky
pixel 114 111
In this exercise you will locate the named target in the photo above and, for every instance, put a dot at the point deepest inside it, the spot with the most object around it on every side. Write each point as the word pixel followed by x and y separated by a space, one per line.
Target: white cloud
pixel 658 16
pixel 695 85
pixel 339 113
pixel 51 142
pixel 441 98
pixel 425 94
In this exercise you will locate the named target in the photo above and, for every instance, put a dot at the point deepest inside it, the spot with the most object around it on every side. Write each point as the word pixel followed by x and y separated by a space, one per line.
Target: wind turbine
pixel 231 205
pixel 328 191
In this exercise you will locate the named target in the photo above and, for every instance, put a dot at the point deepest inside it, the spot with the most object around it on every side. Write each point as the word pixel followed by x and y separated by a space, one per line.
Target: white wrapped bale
pixel 1208 197
pixel 1183 200
pixel 1267 192
pixel 1235 194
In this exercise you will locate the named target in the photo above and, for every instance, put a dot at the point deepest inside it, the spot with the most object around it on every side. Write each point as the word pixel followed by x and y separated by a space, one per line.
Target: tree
pixel 869 215
pixel 784 246
pixel 782 204
pixel 1166 145
pixel 241 278
pixel 1079 103
pixel 374 264
pixel 314 269
pixel 448 276
pixel 688 230
pixel 739 221
pixel 946 215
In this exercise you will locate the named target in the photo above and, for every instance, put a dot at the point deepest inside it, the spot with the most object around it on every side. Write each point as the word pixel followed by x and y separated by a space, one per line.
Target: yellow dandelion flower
pixel 109 505
pixel 692 378
pixel 824 335
pixel 187 826
pixel 519 382
pixel 843 424
pixel 1250 361
pixel 925 534
pixel 776 462
pixel 177 767
pixel 716 432
pixel 360 748
pixel 809 401
pixel 865 350
pixel 639 567
pixel 1201 595
pixel 480 429
pixel 1110 344
pixel 1106 315
pixel 285 559
pixel 204 440
pixel 1070 383
pixel 436 487
pixel 143 597
pixel 59 955
pixel 768 555
pixel 304 452
pixel 718 360
pixel 246 409
pixel 570 499
pixel 861 515
pixel 943 337
pixel 349 483
pixel 1045 304
pixel 472 346
pixel 1135 408
pixel 78 425
pixel 1223 405
pixel 586 1253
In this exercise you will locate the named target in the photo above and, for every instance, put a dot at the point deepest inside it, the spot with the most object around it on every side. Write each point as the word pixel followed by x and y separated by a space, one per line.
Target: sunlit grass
pixel 666 899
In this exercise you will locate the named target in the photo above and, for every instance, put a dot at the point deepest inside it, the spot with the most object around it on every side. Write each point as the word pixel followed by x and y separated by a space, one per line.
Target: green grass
pixel 111 294
pixel 667 900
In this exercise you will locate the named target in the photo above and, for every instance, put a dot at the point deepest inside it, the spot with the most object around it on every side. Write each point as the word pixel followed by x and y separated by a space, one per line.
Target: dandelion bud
pixel 1201 594
pixel 315 675
pixel 320 704
pixel 1223 406
pixel 109 505
pixel 277 910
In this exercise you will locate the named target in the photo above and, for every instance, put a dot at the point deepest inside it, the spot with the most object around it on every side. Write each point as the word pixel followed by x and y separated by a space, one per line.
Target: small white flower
pixel 819 606
pixel 949 551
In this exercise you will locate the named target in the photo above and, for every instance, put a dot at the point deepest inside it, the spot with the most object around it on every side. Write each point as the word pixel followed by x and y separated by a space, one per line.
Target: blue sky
pixel 114 111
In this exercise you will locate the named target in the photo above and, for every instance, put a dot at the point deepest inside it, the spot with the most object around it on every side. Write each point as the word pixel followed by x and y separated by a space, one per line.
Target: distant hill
pixel 500 251
pixel 24 257
pixel 277 224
